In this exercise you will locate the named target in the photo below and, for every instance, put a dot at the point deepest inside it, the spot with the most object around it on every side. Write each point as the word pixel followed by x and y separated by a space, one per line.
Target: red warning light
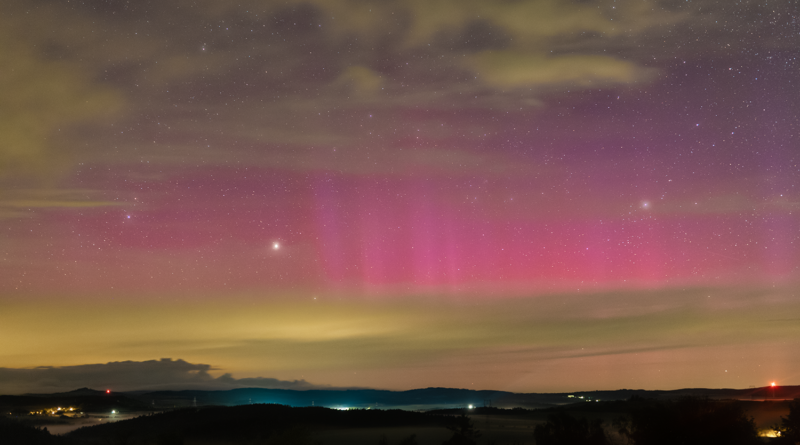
pixel 108 391
pixel 773 384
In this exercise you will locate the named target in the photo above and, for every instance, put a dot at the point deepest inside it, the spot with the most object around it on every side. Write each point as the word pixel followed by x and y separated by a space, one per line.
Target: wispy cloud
pixel 20 203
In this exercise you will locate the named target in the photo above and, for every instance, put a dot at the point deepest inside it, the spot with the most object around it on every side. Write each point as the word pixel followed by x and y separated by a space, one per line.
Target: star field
pixel 527 196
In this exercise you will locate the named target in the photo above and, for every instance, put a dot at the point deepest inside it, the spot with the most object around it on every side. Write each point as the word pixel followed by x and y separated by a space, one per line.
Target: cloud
pixel 26 202
pixel 131 375
pixel 42 96
pixel 511 69
pixel 726 202
pixel 75 198
pixel 419 23
pixel 360 80
pixel 300 71
pixel 530 20
pixel 264 382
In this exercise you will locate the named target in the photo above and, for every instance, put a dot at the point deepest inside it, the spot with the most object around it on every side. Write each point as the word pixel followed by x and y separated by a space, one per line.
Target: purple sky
pixel 530 196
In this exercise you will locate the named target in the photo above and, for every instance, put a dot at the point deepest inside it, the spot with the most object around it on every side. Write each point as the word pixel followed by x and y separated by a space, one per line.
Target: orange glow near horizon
pixel 294 332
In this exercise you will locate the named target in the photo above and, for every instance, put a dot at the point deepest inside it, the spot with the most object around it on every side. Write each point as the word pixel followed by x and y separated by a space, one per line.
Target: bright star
pixel 276 245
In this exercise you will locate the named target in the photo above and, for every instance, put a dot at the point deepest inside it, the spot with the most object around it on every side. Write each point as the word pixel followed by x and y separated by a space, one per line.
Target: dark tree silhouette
pixel 563 429
pixel 789 429
pixel 464 432
pixel 170 438
pixel 410 440
pixel 688 421
pixel 15 432
pixel 293 435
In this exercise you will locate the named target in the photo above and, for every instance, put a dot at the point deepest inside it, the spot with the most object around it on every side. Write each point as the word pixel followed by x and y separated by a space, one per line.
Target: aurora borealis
pixel 528 196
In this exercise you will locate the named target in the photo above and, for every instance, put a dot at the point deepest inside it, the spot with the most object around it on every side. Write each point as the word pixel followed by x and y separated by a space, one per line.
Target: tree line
pixel 687 421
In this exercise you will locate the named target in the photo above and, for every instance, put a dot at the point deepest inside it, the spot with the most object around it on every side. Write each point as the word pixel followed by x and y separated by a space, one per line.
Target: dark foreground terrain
pixel 638 421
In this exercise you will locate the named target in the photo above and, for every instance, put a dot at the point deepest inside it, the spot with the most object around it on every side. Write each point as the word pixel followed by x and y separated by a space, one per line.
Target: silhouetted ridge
pixel 252 422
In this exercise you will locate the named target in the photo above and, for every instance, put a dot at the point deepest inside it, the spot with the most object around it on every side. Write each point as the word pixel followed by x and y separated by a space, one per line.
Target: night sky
pixel 528 195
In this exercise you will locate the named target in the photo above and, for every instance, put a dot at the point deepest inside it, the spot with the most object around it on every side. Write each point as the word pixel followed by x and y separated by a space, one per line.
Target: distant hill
pixel 84 399
pixel 431 398
pixel 418 399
